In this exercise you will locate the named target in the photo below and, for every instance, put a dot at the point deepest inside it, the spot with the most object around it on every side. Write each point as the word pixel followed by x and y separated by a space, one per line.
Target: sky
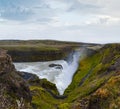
pixel 96 21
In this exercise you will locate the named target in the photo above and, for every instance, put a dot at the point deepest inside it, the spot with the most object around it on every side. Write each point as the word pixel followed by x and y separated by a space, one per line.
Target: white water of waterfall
pixel 61 77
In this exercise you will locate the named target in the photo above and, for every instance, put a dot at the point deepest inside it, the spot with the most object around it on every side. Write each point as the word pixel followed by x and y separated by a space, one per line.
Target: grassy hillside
pixel 95 85
pixel 94 72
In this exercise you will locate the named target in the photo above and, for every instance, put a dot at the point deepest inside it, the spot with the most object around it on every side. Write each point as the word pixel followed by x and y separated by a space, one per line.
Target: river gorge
pixel 61 74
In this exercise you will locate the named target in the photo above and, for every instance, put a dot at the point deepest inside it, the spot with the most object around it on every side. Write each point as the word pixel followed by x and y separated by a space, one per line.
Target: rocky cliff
pixel 38 50
pixel 14 91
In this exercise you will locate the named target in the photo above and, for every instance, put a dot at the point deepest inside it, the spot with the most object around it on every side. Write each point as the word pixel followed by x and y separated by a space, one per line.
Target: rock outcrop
pixel 5 62
pixel 14 91
pixel 56 66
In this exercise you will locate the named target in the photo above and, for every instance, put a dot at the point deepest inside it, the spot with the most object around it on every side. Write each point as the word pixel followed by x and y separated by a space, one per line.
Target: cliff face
pixel 14 92
pixel 5 63
pixel 32 51
pixel 33 55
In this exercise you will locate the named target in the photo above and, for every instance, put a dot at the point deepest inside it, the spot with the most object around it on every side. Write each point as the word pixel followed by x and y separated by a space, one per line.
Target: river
pixel 62 77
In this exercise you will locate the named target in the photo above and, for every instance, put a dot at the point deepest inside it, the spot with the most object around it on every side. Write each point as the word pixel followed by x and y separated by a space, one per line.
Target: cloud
pixel 11 9
pixel 21 10
pixel 81 7
pixel 16 13
pixel 78 20
pixel 103 20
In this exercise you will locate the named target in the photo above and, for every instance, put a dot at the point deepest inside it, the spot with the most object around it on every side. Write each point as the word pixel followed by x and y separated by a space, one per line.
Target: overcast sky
pixel 72 20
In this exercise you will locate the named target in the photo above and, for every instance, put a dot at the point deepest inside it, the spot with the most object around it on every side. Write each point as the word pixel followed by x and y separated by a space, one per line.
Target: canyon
pixel 94 83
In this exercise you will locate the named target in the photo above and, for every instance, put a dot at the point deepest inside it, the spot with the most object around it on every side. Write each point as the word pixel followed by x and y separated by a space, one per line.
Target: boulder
pixel 28 76
pixel 57 66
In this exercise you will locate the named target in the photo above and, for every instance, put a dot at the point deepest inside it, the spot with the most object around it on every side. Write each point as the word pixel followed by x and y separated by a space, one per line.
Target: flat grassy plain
pixel 40 50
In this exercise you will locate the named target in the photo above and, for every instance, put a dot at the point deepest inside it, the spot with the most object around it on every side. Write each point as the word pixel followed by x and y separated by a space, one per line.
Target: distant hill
pixel 40 50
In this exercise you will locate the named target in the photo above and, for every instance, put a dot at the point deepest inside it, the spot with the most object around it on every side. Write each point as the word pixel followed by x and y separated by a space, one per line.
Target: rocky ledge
pixel 14 91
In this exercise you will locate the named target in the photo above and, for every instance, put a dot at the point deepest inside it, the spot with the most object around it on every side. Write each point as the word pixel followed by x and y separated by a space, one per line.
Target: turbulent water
pixel 62 77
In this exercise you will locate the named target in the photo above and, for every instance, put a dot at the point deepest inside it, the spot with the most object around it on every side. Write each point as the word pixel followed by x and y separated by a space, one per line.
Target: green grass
pixel 29 48
pixel 99 63
pixel 85 67
pixel 42 99
pixel 94 68
pixel 107 95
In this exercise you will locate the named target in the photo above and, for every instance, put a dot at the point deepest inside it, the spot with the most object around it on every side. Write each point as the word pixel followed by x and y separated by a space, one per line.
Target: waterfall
pixel 65 78
pixel 62 77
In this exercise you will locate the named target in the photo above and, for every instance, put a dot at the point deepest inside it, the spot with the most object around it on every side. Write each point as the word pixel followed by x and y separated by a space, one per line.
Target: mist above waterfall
pixel 69 68
pixel 62 77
